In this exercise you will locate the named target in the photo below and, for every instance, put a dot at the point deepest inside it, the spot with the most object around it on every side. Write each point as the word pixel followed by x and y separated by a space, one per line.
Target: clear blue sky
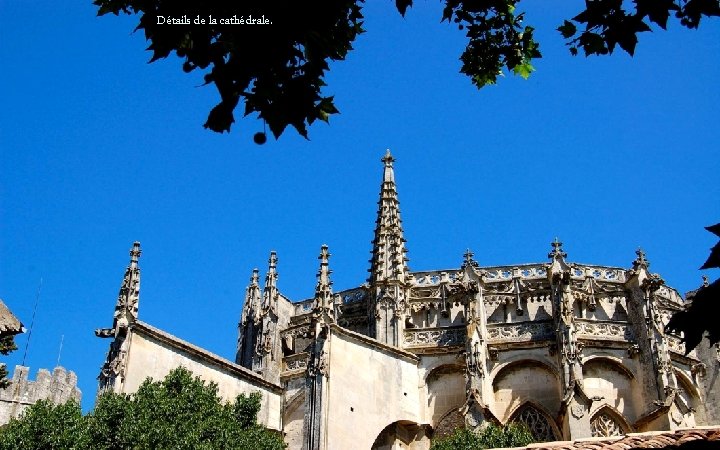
pixel 99 148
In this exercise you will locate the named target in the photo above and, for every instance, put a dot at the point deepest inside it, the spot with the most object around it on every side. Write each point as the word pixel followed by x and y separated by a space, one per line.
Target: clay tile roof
pixel 9 324
pixel 684 439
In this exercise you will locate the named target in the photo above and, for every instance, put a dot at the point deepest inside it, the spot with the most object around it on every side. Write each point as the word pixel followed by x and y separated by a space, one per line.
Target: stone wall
pixel 709 376
pixel 58 387
pixel 154 353
pixel 371 386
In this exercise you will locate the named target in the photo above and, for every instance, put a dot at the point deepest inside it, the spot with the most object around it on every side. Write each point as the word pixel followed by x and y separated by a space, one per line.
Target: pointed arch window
pixel 536 421
pixel 605 424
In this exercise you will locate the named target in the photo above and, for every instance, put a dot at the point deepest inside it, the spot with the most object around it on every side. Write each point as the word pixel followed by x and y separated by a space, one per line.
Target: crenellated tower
pixel 389 273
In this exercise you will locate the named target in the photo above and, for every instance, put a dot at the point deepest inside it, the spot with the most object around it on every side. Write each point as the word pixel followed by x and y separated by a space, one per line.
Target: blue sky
pixel 99 148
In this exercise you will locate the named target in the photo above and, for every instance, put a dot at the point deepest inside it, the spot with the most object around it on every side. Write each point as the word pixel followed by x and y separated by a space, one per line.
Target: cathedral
pixel 571 350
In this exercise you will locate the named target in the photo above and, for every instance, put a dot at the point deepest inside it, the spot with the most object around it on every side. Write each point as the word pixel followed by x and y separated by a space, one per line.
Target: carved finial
pixel 135 253
pixel 323 290
pixel 324 271
pixel 705 282
pixel 641 260
pixel 255 277
pixel 388 173
pixel 559 269
pixel 557 251
pixel 270 290
pixel 272 261
pixel 652 283
pixel 468 260
pixel 388 159
pixel 468 255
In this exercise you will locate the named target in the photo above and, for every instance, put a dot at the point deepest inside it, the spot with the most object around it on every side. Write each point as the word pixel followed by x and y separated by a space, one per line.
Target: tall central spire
pixel 389 262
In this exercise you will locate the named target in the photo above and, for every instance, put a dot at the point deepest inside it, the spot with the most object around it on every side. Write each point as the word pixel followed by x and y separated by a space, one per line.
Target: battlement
pixel 57 387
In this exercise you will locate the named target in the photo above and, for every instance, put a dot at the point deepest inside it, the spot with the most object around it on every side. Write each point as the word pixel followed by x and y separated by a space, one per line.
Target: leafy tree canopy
pixel 278 70
pixel 178 412
pixel 492 436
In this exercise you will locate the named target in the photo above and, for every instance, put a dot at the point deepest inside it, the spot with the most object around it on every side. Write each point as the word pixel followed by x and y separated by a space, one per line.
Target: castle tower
pixel 389 272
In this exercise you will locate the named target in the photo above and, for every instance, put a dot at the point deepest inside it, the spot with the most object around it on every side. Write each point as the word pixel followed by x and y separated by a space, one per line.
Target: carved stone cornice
pixel 605 330
pixel 435 337
pixel 523 331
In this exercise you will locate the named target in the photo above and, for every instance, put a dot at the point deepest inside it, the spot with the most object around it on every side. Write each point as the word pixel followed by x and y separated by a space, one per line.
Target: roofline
pixel 213 359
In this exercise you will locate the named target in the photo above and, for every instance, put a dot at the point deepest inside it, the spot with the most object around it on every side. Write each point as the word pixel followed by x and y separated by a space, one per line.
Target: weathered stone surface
pixel 57 387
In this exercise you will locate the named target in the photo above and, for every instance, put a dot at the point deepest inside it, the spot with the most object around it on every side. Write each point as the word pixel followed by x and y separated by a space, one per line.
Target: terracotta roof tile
pixel 652 439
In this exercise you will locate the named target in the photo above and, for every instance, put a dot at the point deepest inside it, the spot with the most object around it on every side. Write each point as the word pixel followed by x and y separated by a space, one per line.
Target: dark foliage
pixel 278 70
pixel 607 23
pixel 701 317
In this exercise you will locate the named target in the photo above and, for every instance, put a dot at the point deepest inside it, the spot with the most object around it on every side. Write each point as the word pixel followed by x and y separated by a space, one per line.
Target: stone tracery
pixel 604 424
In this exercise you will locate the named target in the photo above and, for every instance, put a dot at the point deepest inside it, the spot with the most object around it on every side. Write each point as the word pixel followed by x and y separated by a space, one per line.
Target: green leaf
pixel 524 70
pixel 567 29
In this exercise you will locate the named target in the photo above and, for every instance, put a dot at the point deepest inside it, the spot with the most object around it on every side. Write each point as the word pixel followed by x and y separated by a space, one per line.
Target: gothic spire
pixel 129 295
pixel 388 262
pixel 323 289
pixel 270 290
pixel 126 306
pixel 249 321
pixel 323 275
pixel 251 308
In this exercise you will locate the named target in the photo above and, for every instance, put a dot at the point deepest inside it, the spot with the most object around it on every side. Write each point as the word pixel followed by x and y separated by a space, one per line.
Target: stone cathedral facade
pixel 572 350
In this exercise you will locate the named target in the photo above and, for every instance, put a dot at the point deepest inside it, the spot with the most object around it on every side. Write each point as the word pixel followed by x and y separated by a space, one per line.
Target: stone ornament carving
pixel 297 361
pixel 604 425
pixel 438 337
pixel 319 367
pixel 604 330
pixel 114 368
pixel 355 296
pixel 675 344
pixel 699 370
pixel 525 331
pixel 347 322
pixel 578 410
pixel 302 331
pixel 633 350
